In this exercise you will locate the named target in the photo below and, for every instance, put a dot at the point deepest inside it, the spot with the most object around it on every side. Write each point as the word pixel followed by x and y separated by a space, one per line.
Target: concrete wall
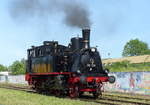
pixel 13 79
pixel 130 82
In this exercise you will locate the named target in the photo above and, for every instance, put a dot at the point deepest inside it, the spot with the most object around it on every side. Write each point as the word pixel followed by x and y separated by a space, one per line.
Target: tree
pixel 3 68
pixel 18 67
pixel 135 47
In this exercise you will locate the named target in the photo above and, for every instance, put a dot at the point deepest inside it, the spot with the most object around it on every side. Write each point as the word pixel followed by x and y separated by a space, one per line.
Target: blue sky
pixel 114 22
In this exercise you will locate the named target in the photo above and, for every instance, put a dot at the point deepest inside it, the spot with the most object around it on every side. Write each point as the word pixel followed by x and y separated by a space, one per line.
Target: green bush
pixel 3 68
pixel 18 67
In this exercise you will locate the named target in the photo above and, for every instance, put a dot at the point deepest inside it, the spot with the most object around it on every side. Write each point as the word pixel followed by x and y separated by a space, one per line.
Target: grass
pixel 126 66
pixel 129 69
pixel 13 84
pixel 13 97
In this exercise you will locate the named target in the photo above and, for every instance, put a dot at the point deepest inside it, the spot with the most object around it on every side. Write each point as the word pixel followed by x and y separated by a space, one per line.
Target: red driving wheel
pixel 98 92
pixel 74 91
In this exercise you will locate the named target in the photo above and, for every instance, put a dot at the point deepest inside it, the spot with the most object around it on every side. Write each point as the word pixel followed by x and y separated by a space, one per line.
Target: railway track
pixel 14 87
pixel 106 99
pixel 115 100
pixel 128 97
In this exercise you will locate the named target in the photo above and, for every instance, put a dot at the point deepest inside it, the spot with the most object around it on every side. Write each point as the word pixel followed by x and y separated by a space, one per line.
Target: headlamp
pixel 93 49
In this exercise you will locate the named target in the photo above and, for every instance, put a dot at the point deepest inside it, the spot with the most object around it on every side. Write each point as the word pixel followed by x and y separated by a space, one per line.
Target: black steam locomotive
pixel 70 70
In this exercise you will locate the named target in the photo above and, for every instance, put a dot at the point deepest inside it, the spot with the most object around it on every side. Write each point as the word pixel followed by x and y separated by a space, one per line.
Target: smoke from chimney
pixel 76 13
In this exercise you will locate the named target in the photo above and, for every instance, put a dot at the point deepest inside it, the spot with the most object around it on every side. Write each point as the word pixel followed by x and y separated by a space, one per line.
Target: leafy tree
pixel 3 68
pixel 18 67
pixel 135 47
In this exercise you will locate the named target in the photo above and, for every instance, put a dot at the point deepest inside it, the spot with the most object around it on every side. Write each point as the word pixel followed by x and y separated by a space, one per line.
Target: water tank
pixel 76 43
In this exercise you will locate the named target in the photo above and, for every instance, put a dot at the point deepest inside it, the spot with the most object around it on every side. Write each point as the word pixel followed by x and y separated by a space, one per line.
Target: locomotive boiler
pixel 67 70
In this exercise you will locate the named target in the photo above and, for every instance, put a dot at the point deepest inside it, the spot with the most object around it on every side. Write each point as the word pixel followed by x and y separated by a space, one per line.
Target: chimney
pixel 86 37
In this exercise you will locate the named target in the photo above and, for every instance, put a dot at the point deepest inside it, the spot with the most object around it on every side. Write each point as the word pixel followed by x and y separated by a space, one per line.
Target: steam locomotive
pixel 67 70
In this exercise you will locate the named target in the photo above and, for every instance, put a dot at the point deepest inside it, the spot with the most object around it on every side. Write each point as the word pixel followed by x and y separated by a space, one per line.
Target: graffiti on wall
pixel 13 79
pixel 133 82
